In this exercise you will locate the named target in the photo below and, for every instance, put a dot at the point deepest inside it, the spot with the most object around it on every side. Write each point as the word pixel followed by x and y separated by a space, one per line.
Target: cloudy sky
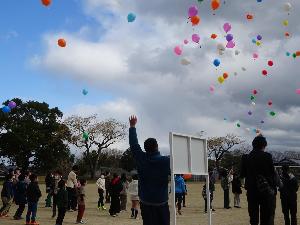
pixel 131 68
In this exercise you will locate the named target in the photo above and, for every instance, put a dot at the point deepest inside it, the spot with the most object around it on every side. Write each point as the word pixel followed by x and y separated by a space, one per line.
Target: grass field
pixel 192 215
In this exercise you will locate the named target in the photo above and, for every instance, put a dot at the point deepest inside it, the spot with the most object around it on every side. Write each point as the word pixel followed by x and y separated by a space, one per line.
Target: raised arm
pixel 133 140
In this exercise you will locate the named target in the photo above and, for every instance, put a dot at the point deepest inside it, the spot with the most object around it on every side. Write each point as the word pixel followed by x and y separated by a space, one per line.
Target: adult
pixel 236 190
pixel 124 192
pixel 260 182
pixel 154 171
pixel 226 179
pixel 71 188
pixel 288 195
pixel 115 190
pixel 108 180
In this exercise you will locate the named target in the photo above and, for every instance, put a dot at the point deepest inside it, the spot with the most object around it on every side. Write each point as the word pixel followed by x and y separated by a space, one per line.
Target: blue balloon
pixel 288 54
pixel 259 0
pixel 6 109
pixel 131 17
pixel 217 62
pixel 253 41
pixel 85 92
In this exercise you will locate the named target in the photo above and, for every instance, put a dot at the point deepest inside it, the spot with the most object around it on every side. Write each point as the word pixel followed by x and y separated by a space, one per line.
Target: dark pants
pixel 211 199
pixel 107 196
pixel 72 204
pixel 115 206
pixel 20 210
pixel 54 206
pixel 60 216
pixel 123 199
pixel 101 198
pixel 289 207
pixel 263 207
pixel 81 209
pixel 183 200
pixel 226 199
pixel 48 199
pixel 32 209
pixel 178 200
pixel 7 202
pixel 155 215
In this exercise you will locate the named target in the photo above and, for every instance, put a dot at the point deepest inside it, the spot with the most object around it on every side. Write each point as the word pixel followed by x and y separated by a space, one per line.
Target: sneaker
pixel 103 208
pixel 81 222
pixel 4 215
pixel 71 210
pixel 114 215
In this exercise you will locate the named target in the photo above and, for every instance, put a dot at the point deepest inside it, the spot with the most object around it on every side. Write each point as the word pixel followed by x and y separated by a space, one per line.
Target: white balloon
pixel 235 73
pixel 287 6
pixel 253 103
pixel 221 47
pixel 237 52
pixel 248 129
pixel 221 52
pixel 185 62
pixel 244 69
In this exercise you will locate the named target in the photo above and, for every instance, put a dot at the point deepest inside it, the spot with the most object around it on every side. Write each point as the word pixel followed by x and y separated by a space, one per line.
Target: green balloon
pixel 294 55
pixel 85 136
pixel 272 113
pixel 238 125
pixel 252 97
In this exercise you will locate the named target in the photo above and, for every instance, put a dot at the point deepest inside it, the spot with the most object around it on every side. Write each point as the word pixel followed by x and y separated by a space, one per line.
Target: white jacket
pixel 133 188
pixel 72 180
pixel 101 183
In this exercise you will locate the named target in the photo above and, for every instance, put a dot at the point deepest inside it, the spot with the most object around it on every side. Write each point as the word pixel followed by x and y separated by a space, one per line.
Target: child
pixel 33 196
pixel 236 190
pixel 123 194
pixel 179 191
pixel 20 196
pixel 101 189
pixel 115 190
pixel 57 178
pixel 7 195
pixel 211 191
pixel 133 190
pixel 61 199
pixel 81 201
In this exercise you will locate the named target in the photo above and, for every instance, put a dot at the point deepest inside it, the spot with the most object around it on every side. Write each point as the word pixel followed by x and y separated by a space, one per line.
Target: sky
pixel 131 68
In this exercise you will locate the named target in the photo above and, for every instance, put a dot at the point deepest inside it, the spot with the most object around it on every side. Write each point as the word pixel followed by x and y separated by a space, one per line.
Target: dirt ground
pixel 192 215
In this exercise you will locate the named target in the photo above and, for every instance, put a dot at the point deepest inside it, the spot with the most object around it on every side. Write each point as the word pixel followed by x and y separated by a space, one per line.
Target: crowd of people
pixel 148 189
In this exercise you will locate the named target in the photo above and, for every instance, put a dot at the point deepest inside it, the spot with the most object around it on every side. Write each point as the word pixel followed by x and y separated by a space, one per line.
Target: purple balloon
pixel 12 105
pixel 193 11
pixel 249 113
pixel 196 38
pixel 229 37
pixel 259 37
pixel 227 27
pixel 230 44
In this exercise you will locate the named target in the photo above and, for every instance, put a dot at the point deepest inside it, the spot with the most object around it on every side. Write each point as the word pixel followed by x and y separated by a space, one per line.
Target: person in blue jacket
pixel 20 197
pixel 153 171
pixel 179 191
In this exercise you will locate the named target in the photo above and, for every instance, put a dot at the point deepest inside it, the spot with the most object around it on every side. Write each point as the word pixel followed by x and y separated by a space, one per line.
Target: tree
pixel 219 146
pixel 93 136
pixel 32 135
pixel 127 161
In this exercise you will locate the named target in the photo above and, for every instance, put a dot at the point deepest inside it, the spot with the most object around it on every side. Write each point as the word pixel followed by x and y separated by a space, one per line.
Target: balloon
pixel 294 55
pixel 131 17
pixel 85 92
pixel 272 113
pixel 249 113
pixel 237 52
pixel 238 125
pixel 253 41
pixel 254 92
pixel 298 91
pixel 249 17
pixel 259 37
pixel 211 88
pixel 287 7
pixel 255 55
pixel 178 50
pixel 46 2
pixel 230 44
pixel 12 105
pixel 298 53
pixel 229 37
pixel 252 97
pixel 262 121
pixel 225 75
pixel 288 54
pixel 221 52
pixel 214 36
pixel 227 27
pixel 265 73
pixel 221 47
pixel 185 62
pixel 195 38
pixel 62 42
pixel 244 69
pixel 215 4
pixel 187 176
pixel 248 129
pixel 217 62
pixel 221 79
pixel 259 0
pixel 253 103
pixel 285 23
pixel 270 103
pixel 258 43
pixel 235 73
pixel 85 136
pixel 193 11
pixel 6 109
pixel 270 63
pixel 186 42
pixel 195 20
pixel 287 34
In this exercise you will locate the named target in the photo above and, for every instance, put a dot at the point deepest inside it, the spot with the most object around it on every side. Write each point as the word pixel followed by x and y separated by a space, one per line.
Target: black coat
pixel 115 187
pixel 33 192
pixel 20 194
pixel 256 163
pixel 236 186
pixel 289 187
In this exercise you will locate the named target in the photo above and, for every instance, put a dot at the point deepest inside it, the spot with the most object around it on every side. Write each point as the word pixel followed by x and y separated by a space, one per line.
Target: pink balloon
pixel 186 42
pixel 212 88
pixel 178 50
pixel 230 44
pixel 227 27
pixel 193 11
pixel 298 91
pixel 255 55
pixel 196 38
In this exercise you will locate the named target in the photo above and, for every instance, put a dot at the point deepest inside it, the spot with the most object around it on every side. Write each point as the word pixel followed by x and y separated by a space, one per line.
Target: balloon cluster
pixel 7 109
pixel 229 37
pixel 193 15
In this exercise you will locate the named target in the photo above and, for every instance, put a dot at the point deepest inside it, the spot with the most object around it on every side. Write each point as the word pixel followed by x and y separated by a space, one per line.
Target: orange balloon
pixel 214 36
pixel 215 4
pixel 225 75
pixel 62 42
pixel 187 176
pixel 298 53
pixel 46 2
pixel 195 20
pixel 287 34
pixel 249 17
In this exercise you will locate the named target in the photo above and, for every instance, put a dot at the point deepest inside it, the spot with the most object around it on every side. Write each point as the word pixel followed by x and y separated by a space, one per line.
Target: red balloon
pixel 195 20
pixel 265 73
pixel 270 63
pixel 270 103
pixel 214 36
pixel 187 176
pixel 62 42
pixel 46 2
pixel 255 92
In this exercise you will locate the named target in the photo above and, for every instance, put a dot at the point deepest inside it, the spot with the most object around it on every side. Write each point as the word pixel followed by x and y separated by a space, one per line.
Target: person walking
pixel 260 182
pixel 211 191
pixel 7 195
pixel 236 190
pixel 81 201
pixel 154 171
pixel 61 200
pixel 71 188
pixel 101 190
pixel 133 190
pixel 57 178
pixel 49 187
pixel 179 192
pixel 123 194
pixel 20 197
pixel 33 196
pixel 288 196
pixel 115 190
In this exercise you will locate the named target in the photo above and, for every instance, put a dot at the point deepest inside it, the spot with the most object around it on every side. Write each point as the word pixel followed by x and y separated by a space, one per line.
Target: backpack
pixel 263 186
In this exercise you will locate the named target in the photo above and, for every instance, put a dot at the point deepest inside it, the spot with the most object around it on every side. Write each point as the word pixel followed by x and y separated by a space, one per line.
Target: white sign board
pixel 188 156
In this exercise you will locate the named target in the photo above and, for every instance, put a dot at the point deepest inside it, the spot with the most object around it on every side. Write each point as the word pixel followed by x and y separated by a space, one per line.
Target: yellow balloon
pixel 285 22
pixel 221 79
pixel 258 43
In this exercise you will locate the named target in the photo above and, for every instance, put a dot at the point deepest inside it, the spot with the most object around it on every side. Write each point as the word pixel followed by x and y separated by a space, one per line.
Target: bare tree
pixel 219 146
pixel 92 136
